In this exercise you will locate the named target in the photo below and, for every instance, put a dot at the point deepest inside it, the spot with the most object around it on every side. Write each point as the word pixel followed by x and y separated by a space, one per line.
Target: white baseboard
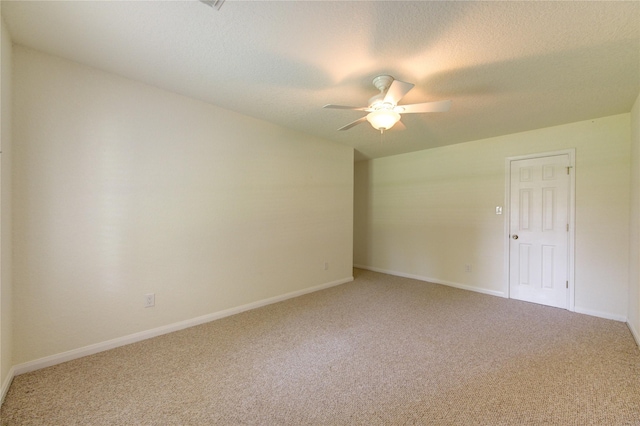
pixel 6 384
pixel 593 313
pixel 433 280
pixel 143 335
pixel 635 333
pixel 600 314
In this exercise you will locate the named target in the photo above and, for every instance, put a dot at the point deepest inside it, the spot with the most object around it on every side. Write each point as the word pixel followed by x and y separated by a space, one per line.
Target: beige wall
pixel 634 262
pixel 427 214
pixel 6 322
pixel 124 189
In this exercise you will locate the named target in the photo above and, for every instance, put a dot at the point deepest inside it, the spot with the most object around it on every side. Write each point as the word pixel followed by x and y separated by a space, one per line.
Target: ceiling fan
pixel 384 111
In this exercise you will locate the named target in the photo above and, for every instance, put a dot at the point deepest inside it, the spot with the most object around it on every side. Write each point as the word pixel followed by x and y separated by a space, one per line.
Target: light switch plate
pixel 498 209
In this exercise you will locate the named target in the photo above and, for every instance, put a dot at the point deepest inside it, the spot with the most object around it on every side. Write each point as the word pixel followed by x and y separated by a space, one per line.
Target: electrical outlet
pixel 149 300
pixel 467 268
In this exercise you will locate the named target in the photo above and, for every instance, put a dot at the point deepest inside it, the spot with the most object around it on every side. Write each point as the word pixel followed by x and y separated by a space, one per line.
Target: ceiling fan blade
pixel 438 106
pixel 354 123
pixel 346 107
pixel 396 91
pixel 399 126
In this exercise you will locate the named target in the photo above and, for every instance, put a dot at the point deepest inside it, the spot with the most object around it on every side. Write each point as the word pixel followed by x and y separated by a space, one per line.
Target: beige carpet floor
pixel 381 350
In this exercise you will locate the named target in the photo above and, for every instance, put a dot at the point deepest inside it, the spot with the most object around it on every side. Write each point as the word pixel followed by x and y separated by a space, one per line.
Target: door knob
pixel 515 237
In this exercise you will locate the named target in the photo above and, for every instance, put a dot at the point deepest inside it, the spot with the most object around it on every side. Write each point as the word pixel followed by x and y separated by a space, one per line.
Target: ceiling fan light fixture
pixel 384 111
pixel 383 119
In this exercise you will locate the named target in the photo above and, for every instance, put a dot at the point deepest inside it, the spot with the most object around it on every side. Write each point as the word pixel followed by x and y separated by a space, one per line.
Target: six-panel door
pixel 538 249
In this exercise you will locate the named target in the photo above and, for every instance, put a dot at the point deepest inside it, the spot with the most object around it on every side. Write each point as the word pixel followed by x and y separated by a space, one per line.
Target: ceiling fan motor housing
pixel 382 83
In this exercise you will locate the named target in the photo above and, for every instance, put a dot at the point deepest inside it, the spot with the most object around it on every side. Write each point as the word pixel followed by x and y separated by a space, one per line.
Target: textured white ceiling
pixel 507 66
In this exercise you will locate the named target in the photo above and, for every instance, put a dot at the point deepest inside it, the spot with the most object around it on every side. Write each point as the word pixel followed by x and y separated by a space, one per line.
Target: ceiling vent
pixel 216 4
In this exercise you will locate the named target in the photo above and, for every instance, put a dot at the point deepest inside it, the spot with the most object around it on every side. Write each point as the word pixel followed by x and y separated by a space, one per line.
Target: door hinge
pixel 568 170
pixel 567 284
pixel 567 227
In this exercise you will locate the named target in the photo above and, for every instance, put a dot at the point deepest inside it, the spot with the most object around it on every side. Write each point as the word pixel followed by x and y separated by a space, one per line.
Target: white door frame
pixel 572 219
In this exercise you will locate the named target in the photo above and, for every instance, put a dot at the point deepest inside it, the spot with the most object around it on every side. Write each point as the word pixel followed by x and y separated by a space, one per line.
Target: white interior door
pixel 539 230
